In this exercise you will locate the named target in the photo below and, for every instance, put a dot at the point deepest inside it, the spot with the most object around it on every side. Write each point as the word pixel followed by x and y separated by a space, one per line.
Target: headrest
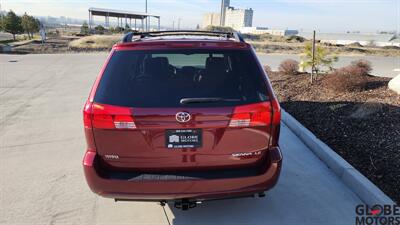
pixel 157 66
pixel 216 63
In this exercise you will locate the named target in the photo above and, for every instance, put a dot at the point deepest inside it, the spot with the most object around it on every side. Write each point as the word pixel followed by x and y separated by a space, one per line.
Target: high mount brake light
pixel 108 117
pixel 259 114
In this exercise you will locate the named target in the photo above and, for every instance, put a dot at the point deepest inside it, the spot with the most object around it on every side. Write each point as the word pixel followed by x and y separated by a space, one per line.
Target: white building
pixel 265 30
pixel 238 18
pixel 211 19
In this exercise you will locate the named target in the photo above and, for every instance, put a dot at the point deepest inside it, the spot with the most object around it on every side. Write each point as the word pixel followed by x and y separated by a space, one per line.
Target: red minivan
pixel 183 117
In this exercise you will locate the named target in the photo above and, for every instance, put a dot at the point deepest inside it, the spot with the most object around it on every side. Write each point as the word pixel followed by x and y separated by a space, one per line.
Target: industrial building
pixel 238 18
pixel 229 16
pixel 211 19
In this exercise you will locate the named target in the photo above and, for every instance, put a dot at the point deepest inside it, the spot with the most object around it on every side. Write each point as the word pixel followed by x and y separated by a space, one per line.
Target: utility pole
pixel 173 25
pixel 313 58
pixel 147 25
pixel 179 23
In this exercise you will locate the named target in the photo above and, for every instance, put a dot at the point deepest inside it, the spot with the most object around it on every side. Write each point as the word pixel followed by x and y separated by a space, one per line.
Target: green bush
pixel 99 29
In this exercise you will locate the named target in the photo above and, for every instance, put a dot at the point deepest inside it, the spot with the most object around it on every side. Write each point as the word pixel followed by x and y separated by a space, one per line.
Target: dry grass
pixel 95 42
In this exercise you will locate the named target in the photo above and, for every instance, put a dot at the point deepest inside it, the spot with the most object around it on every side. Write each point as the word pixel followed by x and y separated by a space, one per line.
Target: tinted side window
pixel 163 78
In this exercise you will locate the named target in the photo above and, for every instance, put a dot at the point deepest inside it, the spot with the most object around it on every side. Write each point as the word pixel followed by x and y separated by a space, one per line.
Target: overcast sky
pixel 322 15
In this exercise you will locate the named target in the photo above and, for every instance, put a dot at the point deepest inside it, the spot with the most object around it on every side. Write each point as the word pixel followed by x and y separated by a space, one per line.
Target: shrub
pixel 99 29
pixel 362 67
pixel 346 79
pixel 268 69
pixel 289 67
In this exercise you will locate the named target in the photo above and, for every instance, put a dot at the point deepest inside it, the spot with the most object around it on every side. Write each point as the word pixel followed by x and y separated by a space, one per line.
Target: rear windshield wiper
pixel 206 100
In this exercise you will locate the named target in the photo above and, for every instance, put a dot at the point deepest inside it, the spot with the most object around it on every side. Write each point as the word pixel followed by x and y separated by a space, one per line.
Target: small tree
pixel 30 25
pixel 85 28
pixel 1 23
pixel 25 24
pixel 321 59
pixel 12 24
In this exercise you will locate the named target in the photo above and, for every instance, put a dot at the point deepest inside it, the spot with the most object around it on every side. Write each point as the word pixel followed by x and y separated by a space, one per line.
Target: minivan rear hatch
pixel 179 109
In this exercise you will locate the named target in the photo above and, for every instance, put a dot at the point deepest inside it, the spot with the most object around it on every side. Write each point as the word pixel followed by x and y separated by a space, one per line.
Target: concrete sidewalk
pixel 42 144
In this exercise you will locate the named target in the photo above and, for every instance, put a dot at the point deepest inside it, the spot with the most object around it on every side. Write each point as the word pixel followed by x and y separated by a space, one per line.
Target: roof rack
pixel 129 37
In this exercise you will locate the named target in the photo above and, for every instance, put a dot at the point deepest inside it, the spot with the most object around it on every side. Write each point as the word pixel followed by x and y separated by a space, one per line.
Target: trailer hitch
pixel 185 204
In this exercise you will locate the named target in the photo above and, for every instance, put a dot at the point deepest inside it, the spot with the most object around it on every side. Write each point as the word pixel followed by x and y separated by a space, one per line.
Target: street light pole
pixel 147 24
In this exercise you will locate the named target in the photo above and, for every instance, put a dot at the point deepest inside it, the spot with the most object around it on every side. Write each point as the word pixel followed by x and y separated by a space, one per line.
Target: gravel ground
pixel 363 127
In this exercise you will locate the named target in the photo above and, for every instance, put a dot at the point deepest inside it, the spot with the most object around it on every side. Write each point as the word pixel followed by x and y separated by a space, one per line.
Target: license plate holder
pixel 183 138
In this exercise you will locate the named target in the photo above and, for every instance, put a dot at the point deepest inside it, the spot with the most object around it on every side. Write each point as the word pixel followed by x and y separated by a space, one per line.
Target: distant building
pixel 229 17
pixel 365 39
pixel 238 18
pixel 265 30
pixel 211 19
pixel 224 5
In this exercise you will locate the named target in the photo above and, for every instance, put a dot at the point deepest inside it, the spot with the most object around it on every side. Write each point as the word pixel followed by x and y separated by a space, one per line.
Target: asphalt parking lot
pixel 42 144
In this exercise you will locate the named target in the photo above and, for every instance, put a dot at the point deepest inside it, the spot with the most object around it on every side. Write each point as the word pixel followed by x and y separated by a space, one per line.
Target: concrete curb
pixel 358 183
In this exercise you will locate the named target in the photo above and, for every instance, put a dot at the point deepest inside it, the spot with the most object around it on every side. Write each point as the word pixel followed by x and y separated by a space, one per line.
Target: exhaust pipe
pixel 261 194
pixel 185 204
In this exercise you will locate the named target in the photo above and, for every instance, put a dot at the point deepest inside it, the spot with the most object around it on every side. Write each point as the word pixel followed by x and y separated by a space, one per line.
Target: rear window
pixel 163 78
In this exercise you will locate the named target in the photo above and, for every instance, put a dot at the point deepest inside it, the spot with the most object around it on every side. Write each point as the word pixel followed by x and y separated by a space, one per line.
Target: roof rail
pixel 129 37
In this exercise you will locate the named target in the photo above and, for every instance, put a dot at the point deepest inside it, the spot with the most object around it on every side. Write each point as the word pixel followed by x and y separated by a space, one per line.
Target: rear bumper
pixel 201 189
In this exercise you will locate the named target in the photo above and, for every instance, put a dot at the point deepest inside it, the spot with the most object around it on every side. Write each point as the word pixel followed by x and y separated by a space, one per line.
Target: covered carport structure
pixel 121 15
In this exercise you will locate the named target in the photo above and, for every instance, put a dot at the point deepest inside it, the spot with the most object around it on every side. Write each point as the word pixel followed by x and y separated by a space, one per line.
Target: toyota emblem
pixel 182 117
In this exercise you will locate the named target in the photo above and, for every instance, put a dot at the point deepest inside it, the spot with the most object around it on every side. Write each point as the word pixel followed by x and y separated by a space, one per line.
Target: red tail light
pixel 87 111
pixel 276 112
pixel 89 158
pixel 107 117
pixel 259 114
